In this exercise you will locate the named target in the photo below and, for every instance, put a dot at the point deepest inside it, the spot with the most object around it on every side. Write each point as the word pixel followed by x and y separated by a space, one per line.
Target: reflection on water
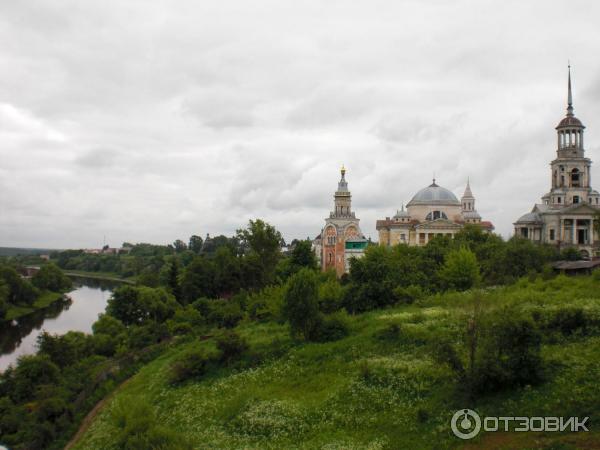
pixel 87 300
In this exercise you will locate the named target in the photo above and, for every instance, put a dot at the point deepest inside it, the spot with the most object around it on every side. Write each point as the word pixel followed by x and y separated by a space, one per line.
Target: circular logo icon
pixel 466 424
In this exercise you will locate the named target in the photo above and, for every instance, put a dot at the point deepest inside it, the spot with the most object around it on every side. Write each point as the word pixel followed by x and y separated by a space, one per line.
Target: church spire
pixel 570 96
pixel 468 193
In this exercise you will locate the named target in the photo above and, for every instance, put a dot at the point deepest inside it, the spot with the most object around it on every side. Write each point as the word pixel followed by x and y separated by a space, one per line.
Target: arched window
pixel 575 181
pixel 434 215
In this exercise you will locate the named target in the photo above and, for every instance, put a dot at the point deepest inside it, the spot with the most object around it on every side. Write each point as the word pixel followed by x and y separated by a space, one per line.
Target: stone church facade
pixel 341 238
pixel 565 218
pixel 433 211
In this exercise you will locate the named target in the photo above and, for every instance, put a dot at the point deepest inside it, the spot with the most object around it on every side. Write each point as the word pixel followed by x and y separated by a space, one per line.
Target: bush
pixel 231 346
pixel 408 294
pixel 138 428
pixel 460 270
pixel 331 295
pixel 500 350
pixel 332 327
pixel 390 333
pixel 192 364
pixel 301 304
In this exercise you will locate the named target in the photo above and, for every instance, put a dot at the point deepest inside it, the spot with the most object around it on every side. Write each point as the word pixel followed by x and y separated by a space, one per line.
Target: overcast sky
pixel 148 121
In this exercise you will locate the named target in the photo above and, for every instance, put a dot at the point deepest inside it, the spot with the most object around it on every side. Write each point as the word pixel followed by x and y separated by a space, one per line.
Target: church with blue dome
pixel 433 211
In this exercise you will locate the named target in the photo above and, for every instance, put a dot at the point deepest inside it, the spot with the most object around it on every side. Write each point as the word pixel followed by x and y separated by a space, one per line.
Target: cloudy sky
pixel 155 120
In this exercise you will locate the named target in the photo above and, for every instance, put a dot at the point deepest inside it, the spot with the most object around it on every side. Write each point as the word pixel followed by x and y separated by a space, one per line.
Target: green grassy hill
pixel 376 389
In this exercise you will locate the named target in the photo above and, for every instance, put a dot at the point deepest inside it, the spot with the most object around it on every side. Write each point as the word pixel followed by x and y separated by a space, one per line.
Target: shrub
pixel 137 428
pixel 389 333
pixel 191 364
pixel 332 327
pixel 301 304
pixel 408 294
pixel 331 295
pixel 231 346
pixel 460 270
pixel 502 351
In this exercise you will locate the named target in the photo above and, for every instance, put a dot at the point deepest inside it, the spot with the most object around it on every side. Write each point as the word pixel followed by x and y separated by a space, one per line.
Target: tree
pixel 179 246
pixel 195 244
pixel 50 277
pixel 303 256
pixel 173 281
pixel 261 244
pixel 199 279
pixel 3 299
pixel 301 304
pixel 460 270
pixel 18 289
pixel 136 305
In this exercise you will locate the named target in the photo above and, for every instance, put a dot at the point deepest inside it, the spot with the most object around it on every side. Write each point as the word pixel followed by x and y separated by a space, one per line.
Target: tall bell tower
pixel 571 175
pixel 341 238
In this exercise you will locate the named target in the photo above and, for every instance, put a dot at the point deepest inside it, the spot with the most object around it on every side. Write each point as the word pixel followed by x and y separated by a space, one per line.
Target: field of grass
pixel 369 391
pixel 43 301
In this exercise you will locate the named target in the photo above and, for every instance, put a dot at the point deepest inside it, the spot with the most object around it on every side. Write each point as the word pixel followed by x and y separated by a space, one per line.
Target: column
pixel 591 232
pixel 574 230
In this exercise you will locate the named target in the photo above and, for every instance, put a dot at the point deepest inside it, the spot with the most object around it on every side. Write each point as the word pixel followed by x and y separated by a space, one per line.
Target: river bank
pixel 45 300
pixel 106 276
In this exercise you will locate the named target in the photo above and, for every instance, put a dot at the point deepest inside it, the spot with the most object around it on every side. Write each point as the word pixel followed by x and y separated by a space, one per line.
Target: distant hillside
pixel 16 251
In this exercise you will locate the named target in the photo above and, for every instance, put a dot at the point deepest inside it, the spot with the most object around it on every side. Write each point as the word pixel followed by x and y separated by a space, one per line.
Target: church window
pixel 551 234
pixel 524 232
pixel 434 215
pixel 557 199
pixel 562 180
pixel 596 201
pixel 575 199
pixel 575 182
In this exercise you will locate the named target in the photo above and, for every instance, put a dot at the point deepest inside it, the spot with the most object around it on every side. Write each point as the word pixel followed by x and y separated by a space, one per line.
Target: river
pixel 88 299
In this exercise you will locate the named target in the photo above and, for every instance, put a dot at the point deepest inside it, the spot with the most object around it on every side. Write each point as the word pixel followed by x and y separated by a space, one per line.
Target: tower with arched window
pixel 341 238
pixel 566 215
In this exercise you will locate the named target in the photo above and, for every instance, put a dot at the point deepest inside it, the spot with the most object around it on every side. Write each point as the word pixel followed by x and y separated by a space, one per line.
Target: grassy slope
pixel 43 301
pixel 316 395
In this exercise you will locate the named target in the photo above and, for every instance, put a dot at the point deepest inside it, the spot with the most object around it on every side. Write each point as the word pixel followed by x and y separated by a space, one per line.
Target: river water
pixel 88 299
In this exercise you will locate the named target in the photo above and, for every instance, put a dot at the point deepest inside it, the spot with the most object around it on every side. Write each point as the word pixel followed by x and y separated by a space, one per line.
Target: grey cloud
pixel 148 121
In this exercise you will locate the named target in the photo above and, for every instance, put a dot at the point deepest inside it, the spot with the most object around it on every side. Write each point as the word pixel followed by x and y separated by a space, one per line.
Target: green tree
pixel 19 290
pixel 261 244
pixel 136 305
pixel 460 270
pixel 195 244
pixel 199 279
pixel 3 299
pixel 173 281
pixel 179 246
pixel 301 304
pixel 303 255
pixel 50 277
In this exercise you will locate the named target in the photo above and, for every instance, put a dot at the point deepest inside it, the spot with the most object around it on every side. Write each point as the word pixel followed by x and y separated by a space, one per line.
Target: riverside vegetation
pixel 240 347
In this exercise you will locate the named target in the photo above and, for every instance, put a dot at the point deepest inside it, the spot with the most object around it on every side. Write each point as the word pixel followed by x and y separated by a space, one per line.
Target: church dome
pixel 570 121
pixel 434 195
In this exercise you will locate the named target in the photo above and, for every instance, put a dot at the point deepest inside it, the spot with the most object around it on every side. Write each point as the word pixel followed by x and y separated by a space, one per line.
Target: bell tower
pixel 571 176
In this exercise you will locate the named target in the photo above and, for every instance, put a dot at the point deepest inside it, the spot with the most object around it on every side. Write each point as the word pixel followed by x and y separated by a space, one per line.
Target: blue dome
pixel 434 195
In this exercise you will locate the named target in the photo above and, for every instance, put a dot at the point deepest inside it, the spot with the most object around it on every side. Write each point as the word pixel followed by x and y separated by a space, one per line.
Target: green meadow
pixel 381 387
